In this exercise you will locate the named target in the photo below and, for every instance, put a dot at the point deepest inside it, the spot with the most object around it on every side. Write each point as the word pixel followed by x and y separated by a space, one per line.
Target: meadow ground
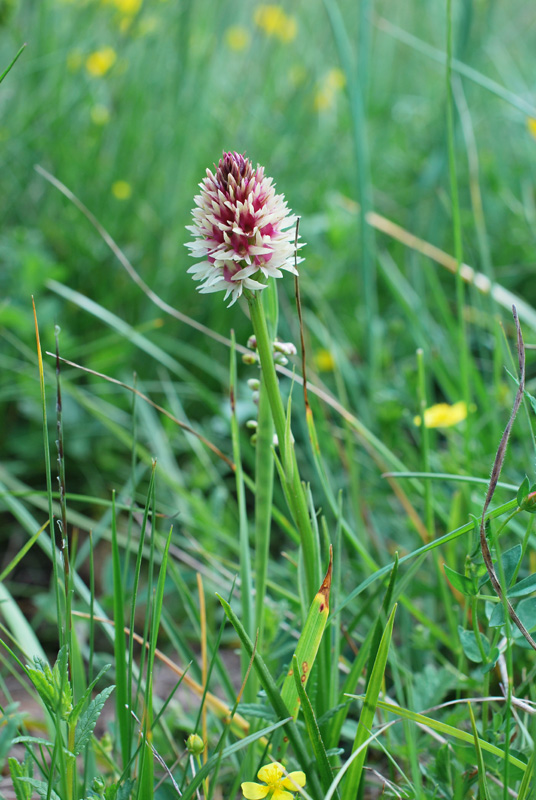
pixel 404 137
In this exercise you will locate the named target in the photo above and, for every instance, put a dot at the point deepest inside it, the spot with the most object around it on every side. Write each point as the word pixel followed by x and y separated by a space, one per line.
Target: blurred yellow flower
pixel 74 60
pixel 531 125
pixel 324 361
pixel 128 6
pixel 101 61
pixel 121 190
pixel 333 81
pixel 237 38
pixel 100 115
pixel 443 415
pixel 274 22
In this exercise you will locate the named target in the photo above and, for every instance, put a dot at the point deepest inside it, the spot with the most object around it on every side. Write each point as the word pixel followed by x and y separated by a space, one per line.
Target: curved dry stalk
pixel 495 474
pixel 148 400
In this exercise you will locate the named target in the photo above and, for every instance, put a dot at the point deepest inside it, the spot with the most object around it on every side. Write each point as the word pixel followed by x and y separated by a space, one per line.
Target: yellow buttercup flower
pixel 324 361
pixel 101 61
pixel 531 125
pixel 443 415
pixel 275 784
pixel 237 38
pixel 121 190
pixel 274 22
pixel 128 6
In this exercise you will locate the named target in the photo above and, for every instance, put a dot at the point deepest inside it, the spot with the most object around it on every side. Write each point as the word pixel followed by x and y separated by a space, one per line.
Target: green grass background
pixel 177 96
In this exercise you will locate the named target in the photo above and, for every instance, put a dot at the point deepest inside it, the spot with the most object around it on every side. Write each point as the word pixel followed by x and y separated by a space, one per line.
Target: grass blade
pixel 366 719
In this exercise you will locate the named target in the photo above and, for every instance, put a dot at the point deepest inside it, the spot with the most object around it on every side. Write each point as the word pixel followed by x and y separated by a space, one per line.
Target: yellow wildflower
pixel 335 79
pixel 128 6
pixel 99 62
pixel 274 22
pixel 443 415
pixel 272 776
pixel 100 115
pixel 121 190
pixel 237 38
pixel 332 83
pixel 324 361
pixel 531 125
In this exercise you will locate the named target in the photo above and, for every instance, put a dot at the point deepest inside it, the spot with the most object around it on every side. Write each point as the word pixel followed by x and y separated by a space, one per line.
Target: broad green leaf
pixel 366 719
pixel 510 560
pixel 470 646
pixel 88 720
pixel 497 616
pixel 308 643
pixel 523 491
pixel 460 582
pixel 521 588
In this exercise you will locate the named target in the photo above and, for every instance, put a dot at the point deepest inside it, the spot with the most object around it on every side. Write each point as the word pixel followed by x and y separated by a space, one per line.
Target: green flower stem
pixel 264 478
pixel 295 492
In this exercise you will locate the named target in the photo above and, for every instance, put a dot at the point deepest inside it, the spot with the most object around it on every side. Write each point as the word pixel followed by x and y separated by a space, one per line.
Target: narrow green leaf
pixel 366 719
pixel 313 731
pixel 482 782
pixel 449 730
pixel 378 628
pixel 123 718
pixel 88 720
pixel 7 69
pixel 275 700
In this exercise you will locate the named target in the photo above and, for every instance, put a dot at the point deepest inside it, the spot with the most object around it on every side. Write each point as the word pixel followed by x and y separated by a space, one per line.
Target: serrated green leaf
pixel 460 582
pixel 88 720
pixel 42 788
pixel 524 587
pixel 470 646
pixel 17 772
pixel 75 713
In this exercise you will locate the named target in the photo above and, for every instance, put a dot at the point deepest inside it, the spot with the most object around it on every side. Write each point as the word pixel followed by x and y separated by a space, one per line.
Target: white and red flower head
pixel 241 228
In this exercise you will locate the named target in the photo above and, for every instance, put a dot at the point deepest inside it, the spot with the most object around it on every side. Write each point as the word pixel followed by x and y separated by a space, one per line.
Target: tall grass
pixel 159 584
